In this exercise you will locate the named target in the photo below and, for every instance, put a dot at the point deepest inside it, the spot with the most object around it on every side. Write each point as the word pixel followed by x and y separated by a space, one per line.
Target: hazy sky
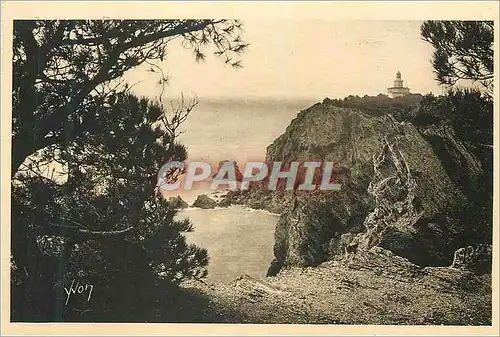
pixel 304 59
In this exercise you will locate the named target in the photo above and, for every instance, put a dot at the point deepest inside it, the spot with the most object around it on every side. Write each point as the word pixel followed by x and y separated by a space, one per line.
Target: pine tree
pixel 463 50
pixel 107 223
pixel 85 159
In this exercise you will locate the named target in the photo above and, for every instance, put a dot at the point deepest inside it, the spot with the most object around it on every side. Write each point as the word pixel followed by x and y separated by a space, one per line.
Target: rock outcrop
pixel 177 202
pixel 477 258
pixel 203 201
pixel 402 194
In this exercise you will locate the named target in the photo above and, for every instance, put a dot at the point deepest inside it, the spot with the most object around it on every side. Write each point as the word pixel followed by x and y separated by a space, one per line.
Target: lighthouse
pixel 398 90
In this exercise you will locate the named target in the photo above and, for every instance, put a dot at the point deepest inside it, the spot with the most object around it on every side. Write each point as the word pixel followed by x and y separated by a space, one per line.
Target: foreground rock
pixel 205 202
pixel 374 287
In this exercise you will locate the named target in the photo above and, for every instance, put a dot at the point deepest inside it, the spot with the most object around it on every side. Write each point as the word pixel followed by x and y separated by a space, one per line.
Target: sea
pixel 239 240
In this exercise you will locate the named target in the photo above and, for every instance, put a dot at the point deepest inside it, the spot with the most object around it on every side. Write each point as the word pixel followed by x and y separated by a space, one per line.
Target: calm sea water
pixel 239 240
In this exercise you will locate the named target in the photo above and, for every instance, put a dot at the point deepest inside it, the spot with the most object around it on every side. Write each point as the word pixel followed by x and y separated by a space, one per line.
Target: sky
pixel 303 58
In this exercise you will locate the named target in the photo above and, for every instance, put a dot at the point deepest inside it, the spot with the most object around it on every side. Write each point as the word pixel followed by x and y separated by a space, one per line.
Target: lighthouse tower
pixel 398 90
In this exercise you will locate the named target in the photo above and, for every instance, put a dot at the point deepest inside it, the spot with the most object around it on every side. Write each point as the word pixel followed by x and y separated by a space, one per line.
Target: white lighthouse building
pixel 398 90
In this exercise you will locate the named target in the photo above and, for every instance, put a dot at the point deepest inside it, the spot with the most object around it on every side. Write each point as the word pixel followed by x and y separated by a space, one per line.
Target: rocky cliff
pixel 410 189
